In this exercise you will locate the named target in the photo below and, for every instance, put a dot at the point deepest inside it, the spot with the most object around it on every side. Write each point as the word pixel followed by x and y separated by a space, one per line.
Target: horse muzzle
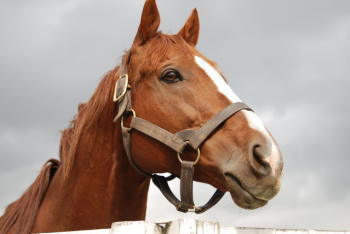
pixel 254 183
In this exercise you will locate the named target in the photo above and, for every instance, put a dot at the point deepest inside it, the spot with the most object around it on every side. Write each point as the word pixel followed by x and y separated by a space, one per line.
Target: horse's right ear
pixel 190 31
pixel 149 24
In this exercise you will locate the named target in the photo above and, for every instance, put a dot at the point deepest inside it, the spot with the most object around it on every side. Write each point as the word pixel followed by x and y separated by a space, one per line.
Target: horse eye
pixel 171 76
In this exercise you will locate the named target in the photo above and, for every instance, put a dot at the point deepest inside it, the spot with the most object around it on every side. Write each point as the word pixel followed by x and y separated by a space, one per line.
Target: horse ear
pixel 149 24
pixel 190 30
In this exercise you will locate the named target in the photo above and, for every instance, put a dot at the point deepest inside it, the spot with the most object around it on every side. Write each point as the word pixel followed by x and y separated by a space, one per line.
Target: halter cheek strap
pixel 176 141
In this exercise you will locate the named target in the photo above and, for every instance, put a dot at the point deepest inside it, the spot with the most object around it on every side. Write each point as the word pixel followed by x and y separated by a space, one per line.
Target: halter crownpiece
pixel 177 141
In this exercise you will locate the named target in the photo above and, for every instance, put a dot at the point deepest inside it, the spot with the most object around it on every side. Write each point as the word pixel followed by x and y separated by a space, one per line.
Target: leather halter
pixel 177 141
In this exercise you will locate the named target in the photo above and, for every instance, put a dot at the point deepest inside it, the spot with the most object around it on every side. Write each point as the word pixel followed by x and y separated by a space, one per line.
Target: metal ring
pixel 192 209
pixel 195 161
pixel 122 118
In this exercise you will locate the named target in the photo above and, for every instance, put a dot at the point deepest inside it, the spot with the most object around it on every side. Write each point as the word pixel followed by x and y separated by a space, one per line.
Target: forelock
pixel 158 48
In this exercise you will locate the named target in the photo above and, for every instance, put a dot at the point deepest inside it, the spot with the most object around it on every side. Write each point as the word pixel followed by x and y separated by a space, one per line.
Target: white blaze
pixel 253 120
pixel 223 87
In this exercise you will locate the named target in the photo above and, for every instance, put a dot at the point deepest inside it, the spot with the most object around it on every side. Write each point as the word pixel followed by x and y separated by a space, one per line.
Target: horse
pixel 165 108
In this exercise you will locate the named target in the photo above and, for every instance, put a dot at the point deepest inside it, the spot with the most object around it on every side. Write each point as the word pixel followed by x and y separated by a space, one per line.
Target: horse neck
pixel 103 171
pixel 101 187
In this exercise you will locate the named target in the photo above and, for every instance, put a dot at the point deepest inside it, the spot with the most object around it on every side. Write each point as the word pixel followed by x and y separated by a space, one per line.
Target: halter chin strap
pixel 177 141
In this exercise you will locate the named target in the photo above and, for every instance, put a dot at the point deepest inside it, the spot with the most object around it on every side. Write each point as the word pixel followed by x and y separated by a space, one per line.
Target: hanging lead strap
pixel 186 186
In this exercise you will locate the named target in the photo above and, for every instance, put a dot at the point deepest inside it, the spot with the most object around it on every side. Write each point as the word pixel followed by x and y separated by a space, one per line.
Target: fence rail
pixel 191 226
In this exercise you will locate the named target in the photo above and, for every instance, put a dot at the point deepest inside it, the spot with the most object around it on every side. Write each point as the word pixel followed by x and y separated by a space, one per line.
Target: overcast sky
pixel 289 60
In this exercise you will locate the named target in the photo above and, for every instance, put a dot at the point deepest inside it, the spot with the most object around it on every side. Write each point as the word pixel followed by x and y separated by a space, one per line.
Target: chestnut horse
pixel 174 87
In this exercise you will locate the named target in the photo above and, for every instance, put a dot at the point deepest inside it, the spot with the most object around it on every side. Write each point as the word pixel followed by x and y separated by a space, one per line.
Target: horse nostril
pixel 259 154
pixel 260 165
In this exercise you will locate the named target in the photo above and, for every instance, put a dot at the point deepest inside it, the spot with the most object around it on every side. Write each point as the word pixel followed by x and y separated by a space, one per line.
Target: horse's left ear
pixel 190 30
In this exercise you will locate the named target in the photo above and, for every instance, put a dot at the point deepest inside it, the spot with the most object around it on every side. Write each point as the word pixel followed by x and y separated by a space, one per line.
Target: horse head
pixel 176 87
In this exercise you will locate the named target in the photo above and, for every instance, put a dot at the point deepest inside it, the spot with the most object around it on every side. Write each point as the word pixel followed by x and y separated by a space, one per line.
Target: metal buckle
pixel 115 98
pixel 122 118
pixel 192 209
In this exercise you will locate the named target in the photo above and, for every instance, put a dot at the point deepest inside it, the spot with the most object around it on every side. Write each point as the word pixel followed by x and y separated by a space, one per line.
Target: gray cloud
pixel 289 60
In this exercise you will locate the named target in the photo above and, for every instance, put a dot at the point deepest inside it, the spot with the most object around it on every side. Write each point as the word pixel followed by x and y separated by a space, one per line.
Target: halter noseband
pixel 177 141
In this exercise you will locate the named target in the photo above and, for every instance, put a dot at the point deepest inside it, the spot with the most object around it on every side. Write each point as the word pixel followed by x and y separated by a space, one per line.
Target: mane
pixel 19 216
pixel 99 105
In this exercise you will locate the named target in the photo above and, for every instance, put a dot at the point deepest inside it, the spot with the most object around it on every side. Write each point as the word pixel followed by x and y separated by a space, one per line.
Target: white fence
pixel 190 226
